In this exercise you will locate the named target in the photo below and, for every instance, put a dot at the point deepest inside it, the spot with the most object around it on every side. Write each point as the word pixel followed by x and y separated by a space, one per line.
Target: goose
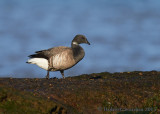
pixel 59 58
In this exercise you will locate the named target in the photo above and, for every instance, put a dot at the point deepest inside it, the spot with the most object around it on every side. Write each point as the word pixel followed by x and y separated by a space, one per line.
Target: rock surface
pixel 93 93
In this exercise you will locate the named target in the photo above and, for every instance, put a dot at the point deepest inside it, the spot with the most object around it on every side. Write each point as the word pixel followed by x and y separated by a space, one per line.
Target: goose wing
pixel 49 52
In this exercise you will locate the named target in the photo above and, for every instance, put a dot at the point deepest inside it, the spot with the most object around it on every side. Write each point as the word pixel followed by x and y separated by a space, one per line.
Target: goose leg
pixel 47 76
pixel 62 72
pixel 49 68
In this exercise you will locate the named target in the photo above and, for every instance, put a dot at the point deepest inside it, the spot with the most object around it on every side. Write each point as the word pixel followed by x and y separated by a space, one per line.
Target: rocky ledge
pixel 89 93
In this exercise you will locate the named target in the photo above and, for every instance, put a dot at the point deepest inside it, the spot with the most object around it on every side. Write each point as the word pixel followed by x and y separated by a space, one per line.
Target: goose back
pixel 49 52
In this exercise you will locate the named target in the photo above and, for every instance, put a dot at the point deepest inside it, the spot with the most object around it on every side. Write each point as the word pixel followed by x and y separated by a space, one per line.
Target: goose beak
pixel 87 42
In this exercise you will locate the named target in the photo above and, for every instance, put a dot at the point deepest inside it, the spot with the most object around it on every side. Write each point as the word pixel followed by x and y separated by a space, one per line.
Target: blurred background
pixel 124 34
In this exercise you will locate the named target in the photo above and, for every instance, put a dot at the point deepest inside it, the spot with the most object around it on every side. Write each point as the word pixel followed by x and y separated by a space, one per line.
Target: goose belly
pixel 63 61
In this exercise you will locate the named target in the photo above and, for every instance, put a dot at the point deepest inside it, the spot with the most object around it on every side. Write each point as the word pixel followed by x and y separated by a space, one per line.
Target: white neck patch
pixel 75 43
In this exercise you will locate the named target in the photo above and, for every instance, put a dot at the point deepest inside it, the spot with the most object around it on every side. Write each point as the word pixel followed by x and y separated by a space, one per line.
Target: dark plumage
pixel 60 58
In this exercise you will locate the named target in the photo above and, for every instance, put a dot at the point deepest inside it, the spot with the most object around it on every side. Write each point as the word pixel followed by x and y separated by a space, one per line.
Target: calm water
pixel 124 34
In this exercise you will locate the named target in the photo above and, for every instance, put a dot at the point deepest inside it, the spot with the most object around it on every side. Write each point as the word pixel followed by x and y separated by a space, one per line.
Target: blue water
pixel 124 34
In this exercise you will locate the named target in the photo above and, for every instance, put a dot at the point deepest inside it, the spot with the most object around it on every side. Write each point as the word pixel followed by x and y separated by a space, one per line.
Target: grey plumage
pixel 60 58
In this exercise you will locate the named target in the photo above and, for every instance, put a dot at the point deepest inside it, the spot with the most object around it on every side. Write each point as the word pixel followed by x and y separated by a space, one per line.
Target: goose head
pixel 79 39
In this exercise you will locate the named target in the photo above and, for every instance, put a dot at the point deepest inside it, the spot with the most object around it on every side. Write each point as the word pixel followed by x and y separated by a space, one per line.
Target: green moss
pixel 18 102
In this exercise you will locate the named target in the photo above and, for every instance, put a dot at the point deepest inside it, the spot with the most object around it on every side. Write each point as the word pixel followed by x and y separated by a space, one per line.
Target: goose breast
pixel 63 60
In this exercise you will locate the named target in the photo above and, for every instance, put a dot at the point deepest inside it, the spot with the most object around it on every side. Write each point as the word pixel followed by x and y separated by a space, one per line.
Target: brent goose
pixel 60 58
